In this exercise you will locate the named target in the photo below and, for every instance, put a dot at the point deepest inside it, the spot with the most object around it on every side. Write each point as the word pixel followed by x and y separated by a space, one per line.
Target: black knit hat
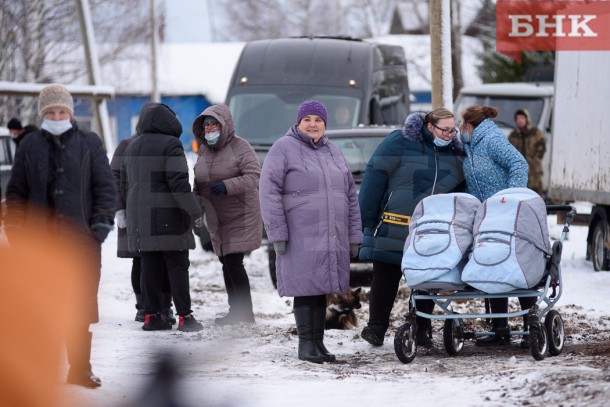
pixel 14 124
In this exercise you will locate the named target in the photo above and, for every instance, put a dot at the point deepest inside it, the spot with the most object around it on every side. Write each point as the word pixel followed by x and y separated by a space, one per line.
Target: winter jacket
pixel 308 199
pixel 405 168
pixel 69 177
pixel 531 143
pixel 233 219
pixel 155 185
pixel 29 129
pixel 492 163
pixel 115 165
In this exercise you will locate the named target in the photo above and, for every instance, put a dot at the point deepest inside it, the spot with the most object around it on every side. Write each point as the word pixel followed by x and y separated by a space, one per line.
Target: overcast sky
pixel 189 20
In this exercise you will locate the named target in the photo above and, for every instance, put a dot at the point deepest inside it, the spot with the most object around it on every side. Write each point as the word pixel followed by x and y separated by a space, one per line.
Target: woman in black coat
pixel 159 210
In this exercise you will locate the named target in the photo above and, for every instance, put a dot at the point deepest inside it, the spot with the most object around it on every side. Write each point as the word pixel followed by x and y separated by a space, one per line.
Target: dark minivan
pixel 360 82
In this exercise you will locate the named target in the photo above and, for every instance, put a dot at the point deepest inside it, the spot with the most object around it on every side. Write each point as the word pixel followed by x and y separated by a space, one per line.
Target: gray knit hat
pixel 55 95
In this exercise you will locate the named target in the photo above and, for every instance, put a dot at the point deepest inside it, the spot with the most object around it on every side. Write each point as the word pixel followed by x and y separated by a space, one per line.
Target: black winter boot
pixel 424 325
pixel 500 334
pixel 79 356
pixel 304 317
pixel 156 322
pixel 140 309
pixel 384 287
pixel 318 333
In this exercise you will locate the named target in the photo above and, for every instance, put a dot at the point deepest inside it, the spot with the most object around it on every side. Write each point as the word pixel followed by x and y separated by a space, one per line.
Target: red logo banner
pixel 551 26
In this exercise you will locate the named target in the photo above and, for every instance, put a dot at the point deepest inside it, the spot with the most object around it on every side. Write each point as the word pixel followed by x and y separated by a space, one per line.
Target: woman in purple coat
pixel 310 210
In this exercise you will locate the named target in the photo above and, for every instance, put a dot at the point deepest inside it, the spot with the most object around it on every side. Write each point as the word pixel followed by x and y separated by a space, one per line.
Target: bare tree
pixel 40 42
pixel 261 19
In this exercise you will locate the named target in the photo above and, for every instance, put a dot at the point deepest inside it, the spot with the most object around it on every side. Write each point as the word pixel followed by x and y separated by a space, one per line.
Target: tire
pixel 555 332
pixel 539 344
pixel 271 257
pixel 453 336
pixel 598 246
pixel 405 344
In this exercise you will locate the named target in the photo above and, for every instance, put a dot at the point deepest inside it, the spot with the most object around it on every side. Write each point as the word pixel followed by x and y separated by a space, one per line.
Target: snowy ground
pixel 257 365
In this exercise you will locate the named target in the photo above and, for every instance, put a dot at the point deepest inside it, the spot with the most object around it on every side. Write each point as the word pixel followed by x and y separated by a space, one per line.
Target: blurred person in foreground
pixel 40 272
pixel 421 159
pixel 310 209
pixel 64 171
pixel 159 209
pixel 227 174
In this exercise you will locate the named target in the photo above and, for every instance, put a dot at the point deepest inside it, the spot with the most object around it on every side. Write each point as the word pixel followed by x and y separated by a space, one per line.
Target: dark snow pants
pixel 384 287
pixel 177 264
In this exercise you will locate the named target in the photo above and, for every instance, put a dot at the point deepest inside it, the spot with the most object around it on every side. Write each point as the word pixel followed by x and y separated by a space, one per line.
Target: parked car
pixel 7 154
pixel 357 145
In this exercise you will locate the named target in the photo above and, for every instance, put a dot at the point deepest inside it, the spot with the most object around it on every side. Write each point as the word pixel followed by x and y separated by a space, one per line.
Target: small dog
pixel 340 310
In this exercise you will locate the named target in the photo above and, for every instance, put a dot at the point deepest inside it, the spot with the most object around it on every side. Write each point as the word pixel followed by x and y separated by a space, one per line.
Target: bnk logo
pixel 551 25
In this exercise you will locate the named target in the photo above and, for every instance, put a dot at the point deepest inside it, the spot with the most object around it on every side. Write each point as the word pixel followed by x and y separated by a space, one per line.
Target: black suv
pixel 357 145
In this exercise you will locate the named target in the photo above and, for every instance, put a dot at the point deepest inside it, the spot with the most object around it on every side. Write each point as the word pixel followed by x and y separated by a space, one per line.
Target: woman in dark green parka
pixel 421 159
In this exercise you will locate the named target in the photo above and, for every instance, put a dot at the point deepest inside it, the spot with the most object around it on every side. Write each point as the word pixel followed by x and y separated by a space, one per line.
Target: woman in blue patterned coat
pixel 492 164
pixel 421 159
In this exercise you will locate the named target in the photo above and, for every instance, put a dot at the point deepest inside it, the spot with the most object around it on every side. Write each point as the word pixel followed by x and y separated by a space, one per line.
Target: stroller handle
pixel 569 216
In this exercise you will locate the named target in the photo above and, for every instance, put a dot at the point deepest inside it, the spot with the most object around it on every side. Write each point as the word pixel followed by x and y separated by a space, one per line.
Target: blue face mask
pixel 439 142
pixel 465 137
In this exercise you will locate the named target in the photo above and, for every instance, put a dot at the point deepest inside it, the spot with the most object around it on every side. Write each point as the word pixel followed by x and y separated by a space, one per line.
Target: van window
pixel 262 118
pixel 506 107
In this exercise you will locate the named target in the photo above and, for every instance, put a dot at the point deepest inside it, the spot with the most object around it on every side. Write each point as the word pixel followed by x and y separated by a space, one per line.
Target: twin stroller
pixel 459 249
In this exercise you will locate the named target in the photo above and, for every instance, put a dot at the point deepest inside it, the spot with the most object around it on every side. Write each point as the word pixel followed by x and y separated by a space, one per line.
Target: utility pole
pixel 155 96
pixel 99 106
pixel 440 49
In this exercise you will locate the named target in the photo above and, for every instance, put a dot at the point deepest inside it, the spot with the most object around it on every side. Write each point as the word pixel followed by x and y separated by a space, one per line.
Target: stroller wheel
pixel 405 345
pixel 554 329
pixel 453 336
pixel 539 344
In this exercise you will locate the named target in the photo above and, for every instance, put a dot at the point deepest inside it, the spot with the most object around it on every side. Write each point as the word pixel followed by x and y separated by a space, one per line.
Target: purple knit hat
pixel 312 107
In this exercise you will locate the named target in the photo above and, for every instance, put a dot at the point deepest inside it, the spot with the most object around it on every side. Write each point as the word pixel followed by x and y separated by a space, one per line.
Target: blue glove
pixel 219 188
pixel 279 247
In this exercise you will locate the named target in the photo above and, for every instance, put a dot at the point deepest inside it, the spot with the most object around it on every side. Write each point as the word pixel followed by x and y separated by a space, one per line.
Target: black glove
pixel 219 188
pixel 100 231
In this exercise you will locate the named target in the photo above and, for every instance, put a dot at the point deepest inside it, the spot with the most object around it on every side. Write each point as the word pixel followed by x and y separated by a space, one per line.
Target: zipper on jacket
pixel 384 210
pixel 435 170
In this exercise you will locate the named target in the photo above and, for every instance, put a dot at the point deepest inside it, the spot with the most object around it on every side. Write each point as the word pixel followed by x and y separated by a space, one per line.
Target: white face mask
pixel 212 137
pixel 56 127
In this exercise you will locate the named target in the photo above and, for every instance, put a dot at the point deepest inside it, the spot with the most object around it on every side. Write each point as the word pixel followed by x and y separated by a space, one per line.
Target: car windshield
pixel 506 107
pixel 357 150
pixel 262 118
